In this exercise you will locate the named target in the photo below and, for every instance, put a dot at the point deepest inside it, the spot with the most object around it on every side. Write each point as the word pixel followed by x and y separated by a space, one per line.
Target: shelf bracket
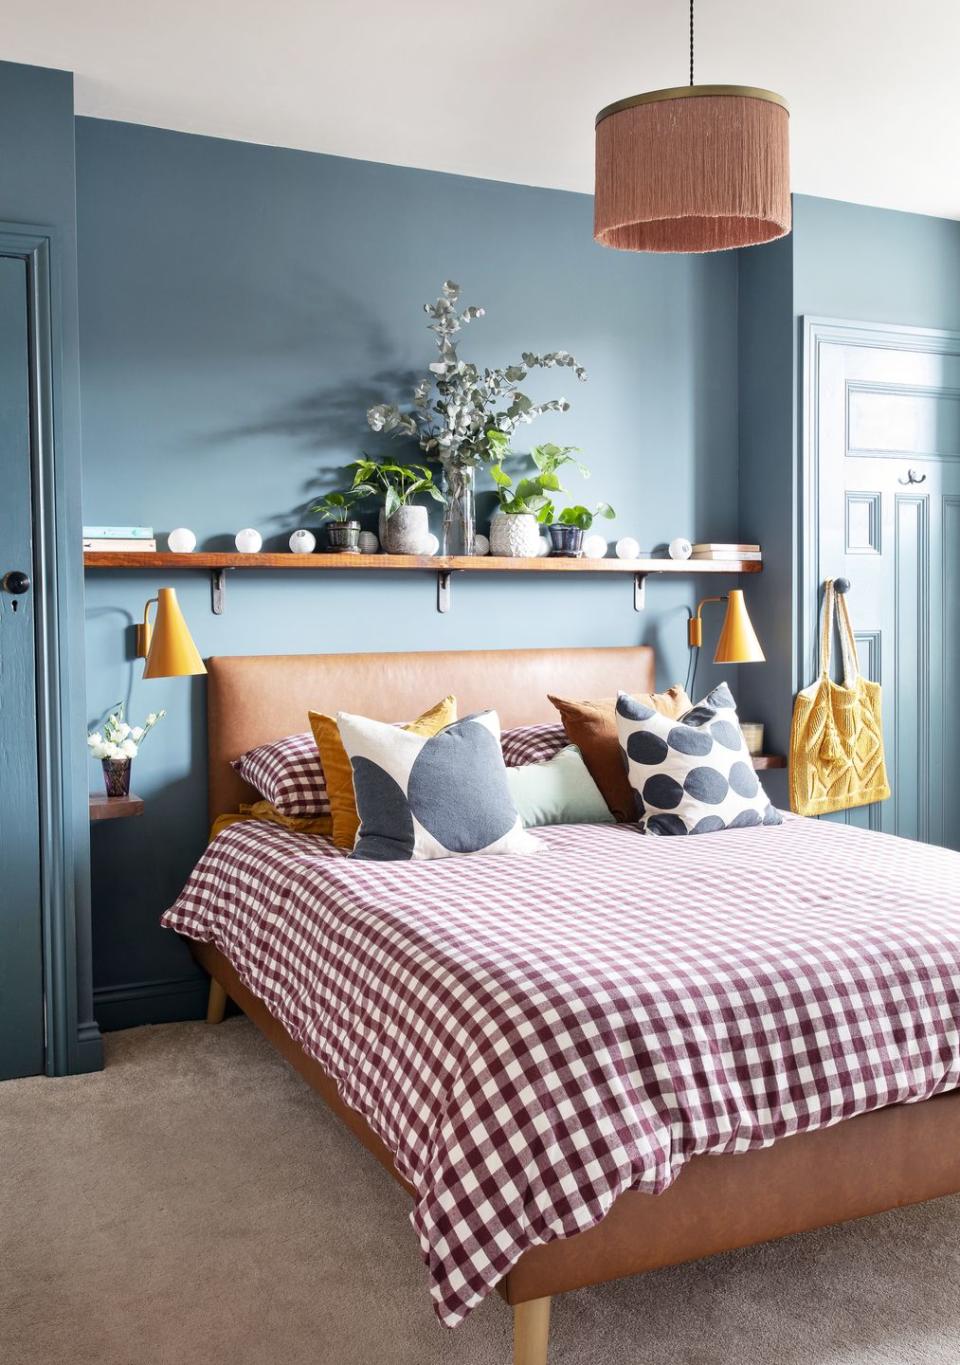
pixel 218 591
pixel 639 591
pixel 444 593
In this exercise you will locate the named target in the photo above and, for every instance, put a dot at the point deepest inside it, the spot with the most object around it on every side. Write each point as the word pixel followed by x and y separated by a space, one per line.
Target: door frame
pixel 37 248
pixel 814 333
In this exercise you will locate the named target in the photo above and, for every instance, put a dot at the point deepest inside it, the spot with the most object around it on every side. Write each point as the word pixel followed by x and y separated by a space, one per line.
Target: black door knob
pixel 16 582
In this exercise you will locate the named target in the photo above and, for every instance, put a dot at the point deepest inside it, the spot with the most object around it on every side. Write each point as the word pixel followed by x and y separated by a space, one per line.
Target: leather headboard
pixel 257 698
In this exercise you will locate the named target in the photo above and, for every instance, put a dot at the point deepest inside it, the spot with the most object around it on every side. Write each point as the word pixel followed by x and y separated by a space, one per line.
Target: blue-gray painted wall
pixel 875 265
pixel 241 307
pixel 767 480
pixel 37 188
pixel 844 261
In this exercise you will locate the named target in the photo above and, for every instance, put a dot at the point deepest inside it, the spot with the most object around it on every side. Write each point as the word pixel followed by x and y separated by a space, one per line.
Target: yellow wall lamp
pixel 738 643
pixel 166 643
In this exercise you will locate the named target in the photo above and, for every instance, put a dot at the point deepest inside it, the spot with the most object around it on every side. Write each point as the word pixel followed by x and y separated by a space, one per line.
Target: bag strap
pixel 848 645
pixel 826 628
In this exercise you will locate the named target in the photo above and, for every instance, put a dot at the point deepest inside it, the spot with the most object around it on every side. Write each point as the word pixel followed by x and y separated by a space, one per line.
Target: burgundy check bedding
pixel 533 1036
pixel 289 773
pixel 532 744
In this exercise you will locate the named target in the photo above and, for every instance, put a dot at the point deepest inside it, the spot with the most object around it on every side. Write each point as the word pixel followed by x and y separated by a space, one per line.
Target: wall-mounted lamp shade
pixel 738 643
pixel 167 644
pixel 696 168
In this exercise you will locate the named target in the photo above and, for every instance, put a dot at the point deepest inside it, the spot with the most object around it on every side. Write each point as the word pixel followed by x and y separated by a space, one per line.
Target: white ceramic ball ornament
pixel 594 547
pixel 628 548
pixel 680 548
pixel 481 544
pixel 248 541
pixel 543 547
pixel 430 545
pixel 368 542
pixel 302 542
pixel 182 541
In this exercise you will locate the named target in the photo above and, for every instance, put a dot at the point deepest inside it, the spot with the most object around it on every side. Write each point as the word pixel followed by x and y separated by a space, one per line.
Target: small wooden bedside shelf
pixel 761 761
pixel 114 807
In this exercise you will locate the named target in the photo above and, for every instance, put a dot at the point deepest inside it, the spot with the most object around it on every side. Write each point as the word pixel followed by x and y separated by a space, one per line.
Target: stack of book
pixel 119 539
pixel 709 549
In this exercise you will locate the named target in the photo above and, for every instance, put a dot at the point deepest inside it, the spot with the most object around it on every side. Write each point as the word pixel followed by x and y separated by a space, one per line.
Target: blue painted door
pixel 21 965
pixel 884 416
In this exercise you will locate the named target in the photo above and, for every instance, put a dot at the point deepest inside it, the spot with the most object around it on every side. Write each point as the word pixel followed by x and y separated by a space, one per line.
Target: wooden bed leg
pixel 216 1002
pixel 531 1332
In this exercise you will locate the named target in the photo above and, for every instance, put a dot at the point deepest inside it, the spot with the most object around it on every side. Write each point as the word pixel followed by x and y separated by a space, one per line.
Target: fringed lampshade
pixel 697 168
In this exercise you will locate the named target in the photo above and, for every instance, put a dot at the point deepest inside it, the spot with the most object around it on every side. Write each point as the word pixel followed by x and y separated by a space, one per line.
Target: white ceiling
pixel 508 89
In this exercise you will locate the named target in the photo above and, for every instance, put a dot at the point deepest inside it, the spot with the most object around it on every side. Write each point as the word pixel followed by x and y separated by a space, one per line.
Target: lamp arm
pixel 695 623
pixel 695 640
pixel 145 631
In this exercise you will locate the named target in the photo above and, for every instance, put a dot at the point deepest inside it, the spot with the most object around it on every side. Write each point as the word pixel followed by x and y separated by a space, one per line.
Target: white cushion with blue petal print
pixel 431 796
pixel 693 775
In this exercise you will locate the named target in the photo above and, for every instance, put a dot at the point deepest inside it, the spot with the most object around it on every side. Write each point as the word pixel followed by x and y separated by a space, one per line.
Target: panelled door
pixel 21 964
pixel 883 461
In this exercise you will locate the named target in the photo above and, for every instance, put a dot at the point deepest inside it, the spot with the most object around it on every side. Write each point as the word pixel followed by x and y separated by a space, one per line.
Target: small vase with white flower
pixel 117 745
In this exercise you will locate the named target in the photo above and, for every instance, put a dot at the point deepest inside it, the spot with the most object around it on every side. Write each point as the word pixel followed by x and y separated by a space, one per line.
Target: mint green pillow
pixel 558 792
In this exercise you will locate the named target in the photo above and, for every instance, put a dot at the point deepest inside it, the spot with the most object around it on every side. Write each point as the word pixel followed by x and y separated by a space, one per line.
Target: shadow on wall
pixel 333 420
pixel 127 625
pixel 328 420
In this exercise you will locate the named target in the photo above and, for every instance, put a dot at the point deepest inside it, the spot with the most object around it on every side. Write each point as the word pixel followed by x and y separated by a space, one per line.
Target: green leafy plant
pixel 583 517
pixel 337 506
pixel 458 406
pixel 398 484
pixel 532 495
pixel 528 496
pixel 549 458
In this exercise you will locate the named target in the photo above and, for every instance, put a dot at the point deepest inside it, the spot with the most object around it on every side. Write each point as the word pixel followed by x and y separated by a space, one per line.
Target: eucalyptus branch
pixel 461 413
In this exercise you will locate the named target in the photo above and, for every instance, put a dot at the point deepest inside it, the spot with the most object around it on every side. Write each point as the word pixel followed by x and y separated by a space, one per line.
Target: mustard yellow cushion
pixel 266 810
pixel 339 774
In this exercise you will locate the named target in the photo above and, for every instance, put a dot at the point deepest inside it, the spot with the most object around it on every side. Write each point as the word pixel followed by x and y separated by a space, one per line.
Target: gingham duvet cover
pixel 532 1036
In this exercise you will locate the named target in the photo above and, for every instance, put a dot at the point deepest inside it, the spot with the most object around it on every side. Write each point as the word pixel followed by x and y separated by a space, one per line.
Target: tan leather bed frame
pixel 896 1156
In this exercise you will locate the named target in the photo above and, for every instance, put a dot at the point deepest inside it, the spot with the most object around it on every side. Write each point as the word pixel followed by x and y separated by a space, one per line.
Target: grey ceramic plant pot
pixel 343 537
pixel 407 531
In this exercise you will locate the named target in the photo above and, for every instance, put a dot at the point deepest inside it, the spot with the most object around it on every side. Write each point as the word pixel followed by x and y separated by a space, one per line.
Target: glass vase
pixel 459 515
pixel 116 776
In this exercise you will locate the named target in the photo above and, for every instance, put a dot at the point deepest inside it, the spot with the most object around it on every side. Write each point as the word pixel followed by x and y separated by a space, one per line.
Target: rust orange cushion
pixel 592 726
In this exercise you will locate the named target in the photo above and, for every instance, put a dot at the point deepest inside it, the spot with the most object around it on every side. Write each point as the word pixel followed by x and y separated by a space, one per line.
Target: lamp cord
pixel 692 666
pixel 691 42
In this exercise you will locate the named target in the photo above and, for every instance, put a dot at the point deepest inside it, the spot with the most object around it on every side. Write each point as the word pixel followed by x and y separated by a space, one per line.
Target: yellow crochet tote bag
pixel 836 744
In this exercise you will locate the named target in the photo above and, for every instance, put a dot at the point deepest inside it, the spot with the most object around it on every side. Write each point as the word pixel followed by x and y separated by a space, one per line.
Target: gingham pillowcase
pixel 532 744
pixel 289 773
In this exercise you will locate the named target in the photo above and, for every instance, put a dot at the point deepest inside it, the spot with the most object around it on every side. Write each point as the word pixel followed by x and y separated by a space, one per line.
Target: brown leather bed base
pixel 901 1155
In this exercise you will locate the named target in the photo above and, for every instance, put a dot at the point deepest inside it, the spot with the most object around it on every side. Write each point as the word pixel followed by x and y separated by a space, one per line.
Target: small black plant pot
pixel 566 540
pixel 343 537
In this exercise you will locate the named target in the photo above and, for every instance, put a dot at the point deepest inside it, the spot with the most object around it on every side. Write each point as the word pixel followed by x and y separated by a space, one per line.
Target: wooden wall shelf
pixel 444 566
pixel 101 559
pixel 114 807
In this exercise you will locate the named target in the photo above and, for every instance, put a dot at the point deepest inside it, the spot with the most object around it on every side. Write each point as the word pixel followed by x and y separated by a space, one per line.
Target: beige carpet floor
pixel 196 1203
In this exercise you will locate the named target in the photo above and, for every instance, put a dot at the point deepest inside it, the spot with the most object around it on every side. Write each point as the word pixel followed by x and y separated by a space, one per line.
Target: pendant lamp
pixel 696 168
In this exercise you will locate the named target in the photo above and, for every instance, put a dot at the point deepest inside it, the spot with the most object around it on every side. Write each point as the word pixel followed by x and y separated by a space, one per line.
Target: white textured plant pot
pixel 407 531
pixel 516 536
